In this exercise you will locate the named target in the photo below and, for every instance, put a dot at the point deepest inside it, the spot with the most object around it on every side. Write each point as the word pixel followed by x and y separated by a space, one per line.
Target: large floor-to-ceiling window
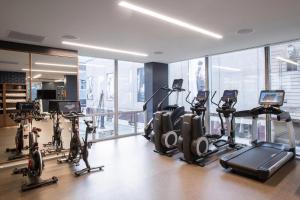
pixel 131 93
pixel 285 75
pixel 98 91
pixel 243 71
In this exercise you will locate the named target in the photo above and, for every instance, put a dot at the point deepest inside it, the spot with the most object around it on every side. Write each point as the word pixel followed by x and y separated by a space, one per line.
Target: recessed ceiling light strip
pixel 169 19
pixel 50 71
pixel 227 68
pixel 287 60
pixel 104 48
pixel 55 64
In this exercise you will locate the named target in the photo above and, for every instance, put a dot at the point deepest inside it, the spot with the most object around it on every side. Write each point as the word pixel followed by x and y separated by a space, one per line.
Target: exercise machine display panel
pixel 69 106
pixel 177 84
pixel 25 107
pixel 202 95
pixel 230 94
pixel 271 97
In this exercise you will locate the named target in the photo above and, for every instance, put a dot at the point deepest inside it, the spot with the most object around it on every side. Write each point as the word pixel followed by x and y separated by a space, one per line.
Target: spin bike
pixel 35 163
pixel 77 150
pixel 19 118
pixel 56 145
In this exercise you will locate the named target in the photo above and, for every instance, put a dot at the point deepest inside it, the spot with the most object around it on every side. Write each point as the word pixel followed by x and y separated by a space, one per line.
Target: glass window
pixel 193 74
pixel 97 93
pixel 131 94
pixel 176 71
pixel 243 71
pixel 285 75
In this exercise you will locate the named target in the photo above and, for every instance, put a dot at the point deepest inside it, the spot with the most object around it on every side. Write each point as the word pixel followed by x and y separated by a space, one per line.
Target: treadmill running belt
pixel 255 157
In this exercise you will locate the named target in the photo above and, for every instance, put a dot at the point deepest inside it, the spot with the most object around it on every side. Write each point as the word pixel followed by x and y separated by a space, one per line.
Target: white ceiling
pixel 104 23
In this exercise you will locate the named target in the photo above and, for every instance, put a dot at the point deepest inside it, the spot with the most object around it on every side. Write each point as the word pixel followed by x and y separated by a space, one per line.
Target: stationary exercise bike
pixel 175 111
pixel 19 118
pixel 56 145
pixel 71 111
pixel 35 163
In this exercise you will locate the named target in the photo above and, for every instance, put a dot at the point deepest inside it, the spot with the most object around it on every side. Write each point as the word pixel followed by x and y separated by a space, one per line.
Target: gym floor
pixel 133 171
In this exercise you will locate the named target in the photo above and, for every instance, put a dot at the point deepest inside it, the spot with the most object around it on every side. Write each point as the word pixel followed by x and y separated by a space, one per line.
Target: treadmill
pixel 262 159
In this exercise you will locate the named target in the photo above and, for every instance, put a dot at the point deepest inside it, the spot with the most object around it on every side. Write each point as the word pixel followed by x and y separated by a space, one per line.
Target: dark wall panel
pixel 12 77
pixel 71 87
pixel 156 76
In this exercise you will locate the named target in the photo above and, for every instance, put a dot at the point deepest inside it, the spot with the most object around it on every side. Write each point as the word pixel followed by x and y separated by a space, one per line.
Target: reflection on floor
pixel 133 171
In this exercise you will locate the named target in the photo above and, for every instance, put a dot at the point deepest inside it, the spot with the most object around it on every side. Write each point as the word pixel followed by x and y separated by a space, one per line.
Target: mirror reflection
pixel 40 79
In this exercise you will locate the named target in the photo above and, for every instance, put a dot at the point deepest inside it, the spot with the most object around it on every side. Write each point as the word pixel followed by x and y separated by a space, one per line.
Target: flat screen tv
pixel 46 94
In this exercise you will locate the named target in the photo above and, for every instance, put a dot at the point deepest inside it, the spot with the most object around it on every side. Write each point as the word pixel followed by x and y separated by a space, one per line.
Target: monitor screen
pixel 271 97
pixel 177 84
pixel 202 95
pixel 46 94
pixel 69 106
pixel 230 94
pixel 25 106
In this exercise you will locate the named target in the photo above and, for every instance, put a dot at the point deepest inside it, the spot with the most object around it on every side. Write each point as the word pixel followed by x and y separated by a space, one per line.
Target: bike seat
pixel 36 130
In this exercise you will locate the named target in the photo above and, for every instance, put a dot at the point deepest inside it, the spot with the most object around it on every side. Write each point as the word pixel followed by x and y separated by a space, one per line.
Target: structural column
pixel 156 76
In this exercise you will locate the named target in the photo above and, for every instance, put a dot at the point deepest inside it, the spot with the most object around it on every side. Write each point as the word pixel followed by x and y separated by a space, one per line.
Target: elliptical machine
pixel 175 110
pixel 194 142
pixel 227 109
pixel 71 110
pixel 167 123
pixel 35 163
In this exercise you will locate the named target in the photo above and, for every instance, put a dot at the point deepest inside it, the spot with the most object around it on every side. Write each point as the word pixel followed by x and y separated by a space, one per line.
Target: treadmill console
pixel 271 98
pixel 177 84
pixel 229 95
pixel 202 96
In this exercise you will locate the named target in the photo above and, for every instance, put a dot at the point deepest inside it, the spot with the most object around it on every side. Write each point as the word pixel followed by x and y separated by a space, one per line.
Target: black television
pixel 46 94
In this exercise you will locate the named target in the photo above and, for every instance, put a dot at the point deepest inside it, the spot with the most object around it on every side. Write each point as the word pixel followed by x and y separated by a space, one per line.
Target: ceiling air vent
pixel 25 37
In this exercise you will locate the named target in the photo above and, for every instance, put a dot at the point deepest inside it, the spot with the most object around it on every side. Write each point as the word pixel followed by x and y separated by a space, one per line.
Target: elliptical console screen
pixel 271 97
pixel 202 95
pixel 230 94
pixel 69 106
pixel 177 84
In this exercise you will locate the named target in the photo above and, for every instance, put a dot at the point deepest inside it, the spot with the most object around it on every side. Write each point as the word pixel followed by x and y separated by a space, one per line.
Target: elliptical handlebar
pixel 211 100
pixel 187 100
pixel 162 88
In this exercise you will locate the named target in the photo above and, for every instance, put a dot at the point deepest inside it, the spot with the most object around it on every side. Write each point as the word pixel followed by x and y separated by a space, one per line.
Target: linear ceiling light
pixel 228 68
pixel 169 19
pixel 37 76
pixel 55 64
pixel 50 71
pixel 104 48
pixel 287 60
